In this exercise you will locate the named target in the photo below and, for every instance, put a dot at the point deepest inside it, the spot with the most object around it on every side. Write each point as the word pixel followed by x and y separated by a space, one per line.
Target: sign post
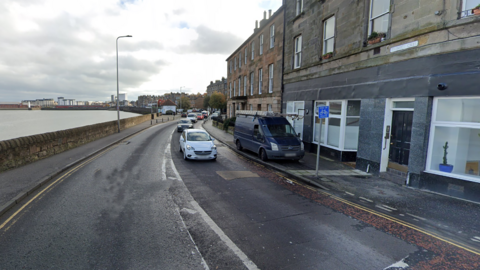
pixel 323 112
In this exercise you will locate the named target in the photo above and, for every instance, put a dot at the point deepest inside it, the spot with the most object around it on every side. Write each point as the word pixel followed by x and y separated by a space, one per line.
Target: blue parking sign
pixel 323 111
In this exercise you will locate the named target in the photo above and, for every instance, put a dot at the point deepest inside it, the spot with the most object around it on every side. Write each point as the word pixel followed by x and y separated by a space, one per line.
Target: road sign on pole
pixel 323 112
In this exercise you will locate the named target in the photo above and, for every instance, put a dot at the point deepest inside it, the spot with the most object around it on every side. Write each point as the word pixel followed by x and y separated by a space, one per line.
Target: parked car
pixel 197 144
pixel 205 114
pixel 214 115
pixel 199 116
pixel 184 114
pixel 193 117
pixel 271 137
pixel 184 124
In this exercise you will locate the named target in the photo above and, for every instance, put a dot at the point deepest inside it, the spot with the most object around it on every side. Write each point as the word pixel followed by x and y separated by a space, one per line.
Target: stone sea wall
pixel 20 151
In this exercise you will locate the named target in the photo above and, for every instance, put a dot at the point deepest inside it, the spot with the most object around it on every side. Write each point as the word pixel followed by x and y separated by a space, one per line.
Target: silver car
pixel 184 124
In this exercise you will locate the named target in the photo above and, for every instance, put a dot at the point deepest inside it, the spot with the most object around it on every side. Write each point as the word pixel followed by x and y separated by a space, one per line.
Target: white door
pixel 295 110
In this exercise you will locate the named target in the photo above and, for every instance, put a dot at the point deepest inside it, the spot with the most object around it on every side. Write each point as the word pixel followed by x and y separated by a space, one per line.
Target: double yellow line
pixel 47 188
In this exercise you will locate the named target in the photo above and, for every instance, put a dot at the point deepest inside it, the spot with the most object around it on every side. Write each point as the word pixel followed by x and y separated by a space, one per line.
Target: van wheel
pixel 263 155
pixel 239 145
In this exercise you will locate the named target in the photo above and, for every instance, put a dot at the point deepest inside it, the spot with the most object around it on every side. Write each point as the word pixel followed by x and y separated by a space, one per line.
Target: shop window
pixel 456 122
pixel 352 125
pixel 341 129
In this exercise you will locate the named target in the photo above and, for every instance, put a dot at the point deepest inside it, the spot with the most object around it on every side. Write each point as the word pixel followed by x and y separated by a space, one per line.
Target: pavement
pixel 440 215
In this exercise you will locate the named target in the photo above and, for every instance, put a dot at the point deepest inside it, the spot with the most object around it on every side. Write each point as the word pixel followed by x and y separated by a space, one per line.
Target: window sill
pixel 298 16
pixel 454 175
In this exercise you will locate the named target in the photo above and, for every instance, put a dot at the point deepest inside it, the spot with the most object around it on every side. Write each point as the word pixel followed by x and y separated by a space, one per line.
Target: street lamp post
pixel 118 106
pixel 181 97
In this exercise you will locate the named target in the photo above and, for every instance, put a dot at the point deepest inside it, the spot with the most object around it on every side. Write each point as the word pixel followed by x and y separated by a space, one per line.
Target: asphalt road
pixel 139 205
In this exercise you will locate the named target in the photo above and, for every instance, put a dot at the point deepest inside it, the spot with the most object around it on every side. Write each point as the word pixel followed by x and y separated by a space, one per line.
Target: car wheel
pixel 180 148
pixel 185 155
pixel 263 155
pixel 239 146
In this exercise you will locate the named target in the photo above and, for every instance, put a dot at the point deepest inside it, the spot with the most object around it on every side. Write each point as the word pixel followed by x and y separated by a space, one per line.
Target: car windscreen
pixel 192 115
pixel 282 130
pixel 198 136
pixel 184 121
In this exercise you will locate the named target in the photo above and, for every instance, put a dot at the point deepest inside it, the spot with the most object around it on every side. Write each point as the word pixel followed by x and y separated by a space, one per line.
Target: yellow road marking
pixel 61 178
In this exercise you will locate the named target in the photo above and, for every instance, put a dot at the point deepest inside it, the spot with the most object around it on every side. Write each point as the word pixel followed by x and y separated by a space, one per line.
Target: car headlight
pixel 274 146
pixel 214 147
pixel 302 147
pixel 190 147
pixel 190 125
pixel 179 126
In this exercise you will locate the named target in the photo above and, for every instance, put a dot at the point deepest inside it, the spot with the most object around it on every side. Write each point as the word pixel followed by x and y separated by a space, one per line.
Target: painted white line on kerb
pixel 177 175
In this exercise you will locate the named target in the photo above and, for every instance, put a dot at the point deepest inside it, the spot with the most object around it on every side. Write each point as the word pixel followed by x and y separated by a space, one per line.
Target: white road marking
pixel 383 208
pixel 228 242
pixel 246 261
pixel 400 264
pixel 204 263
pixel 417 217
pixel 351 194
pixel 365 199
pixel 391 208
pixel 476 239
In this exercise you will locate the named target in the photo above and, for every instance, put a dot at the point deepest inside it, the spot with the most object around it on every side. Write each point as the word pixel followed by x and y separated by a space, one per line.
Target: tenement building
pixel 401 82
pixel 254 80
pixel 219 86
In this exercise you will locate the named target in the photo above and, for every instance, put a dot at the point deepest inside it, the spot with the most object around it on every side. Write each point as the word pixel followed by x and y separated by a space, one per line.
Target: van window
pixel 256 131
pixel 283 130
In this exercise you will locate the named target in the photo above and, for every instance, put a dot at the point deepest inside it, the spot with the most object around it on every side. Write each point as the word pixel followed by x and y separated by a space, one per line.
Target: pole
pixel 318 147
pixel 118 105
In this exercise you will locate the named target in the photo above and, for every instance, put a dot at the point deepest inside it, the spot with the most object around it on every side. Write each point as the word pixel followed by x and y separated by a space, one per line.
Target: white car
pixel 197 144
pixel 192 116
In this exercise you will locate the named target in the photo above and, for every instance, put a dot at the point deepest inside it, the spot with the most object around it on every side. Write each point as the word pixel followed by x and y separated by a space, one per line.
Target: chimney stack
pixel 256 24
pixel 269 13
pixel 264 15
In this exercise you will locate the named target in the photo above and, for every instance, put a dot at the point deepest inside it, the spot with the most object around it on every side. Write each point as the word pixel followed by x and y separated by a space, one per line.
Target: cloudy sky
pixel 53 48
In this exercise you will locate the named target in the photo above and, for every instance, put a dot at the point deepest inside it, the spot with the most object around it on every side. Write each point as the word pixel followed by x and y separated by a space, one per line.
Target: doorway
pixel 397 134
pixel 400 138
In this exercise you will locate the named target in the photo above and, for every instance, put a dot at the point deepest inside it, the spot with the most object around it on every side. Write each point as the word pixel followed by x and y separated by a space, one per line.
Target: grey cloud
pixel 53 61
pixel 210 41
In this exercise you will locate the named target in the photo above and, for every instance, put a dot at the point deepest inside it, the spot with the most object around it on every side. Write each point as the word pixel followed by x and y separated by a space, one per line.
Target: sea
pixel 20 123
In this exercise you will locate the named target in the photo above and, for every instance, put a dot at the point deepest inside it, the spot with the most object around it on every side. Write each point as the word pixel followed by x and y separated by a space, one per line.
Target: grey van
pixel 271 137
